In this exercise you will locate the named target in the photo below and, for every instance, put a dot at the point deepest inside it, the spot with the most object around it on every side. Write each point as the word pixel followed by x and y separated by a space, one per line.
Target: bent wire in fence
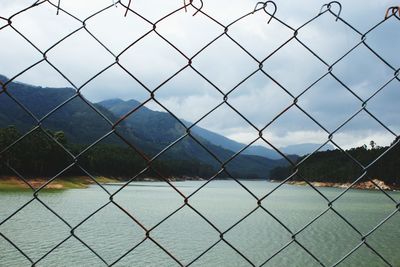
pixel 270 9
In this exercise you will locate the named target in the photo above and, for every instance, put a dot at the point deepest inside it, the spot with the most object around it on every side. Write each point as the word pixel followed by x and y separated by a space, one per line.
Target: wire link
pixel 326 9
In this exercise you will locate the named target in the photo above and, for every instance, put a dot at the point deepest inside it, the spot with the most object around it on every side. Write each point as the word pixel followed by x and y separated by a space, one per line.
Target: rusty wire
pixel 326 10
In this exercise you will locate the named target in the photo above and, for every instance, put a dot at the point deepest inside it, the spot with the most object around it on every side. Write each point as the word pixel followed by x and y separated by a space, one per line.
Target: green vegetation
pixel 77 121
pixel 37 155
pixel 335 167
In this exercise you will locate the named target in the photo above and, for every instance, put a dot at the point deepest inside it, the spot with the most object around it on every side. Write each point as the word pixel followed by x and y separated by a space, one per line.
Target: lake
pixel 111 233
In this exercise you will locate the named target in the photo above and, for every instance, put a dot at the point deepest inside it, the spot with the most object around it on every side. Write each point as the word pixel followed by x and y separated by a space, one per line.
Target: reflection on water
pixel 111 233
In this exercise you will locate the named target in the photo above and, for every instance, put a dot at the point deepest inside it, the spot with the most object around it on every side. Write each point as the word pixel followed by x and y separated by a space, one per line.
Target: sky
pixel 188 95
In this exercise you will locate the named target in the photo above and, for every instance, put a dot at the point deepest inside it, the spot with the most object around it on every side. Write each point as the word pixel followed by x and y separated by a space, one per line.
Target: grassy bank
pixel 62 183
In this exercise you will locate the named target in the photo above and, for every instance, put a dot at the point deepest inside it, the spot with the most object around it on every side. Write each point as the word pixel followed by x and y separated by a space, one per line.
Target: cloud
pixel 225 65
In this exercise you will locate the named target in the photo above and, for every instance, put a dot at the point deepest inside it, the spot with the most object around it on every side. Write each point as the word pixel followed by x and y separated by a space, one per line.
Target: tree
pixel 7 137
pixel 372 144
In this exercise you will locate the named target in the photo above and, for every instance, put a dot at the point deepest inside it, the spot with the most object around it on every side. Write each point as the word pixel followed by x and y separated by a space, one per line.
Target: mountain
pixel 304 149
pixel 40 101
pixel 230 144
pixel 119 107
pixel 149 131
pixel 171 126
pixel 155 126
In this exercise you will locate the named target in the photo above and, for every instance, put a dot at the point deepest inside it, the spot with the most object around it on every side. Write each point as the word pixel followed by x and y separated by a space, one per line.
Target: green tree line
pixel 336 166
pixel 38 155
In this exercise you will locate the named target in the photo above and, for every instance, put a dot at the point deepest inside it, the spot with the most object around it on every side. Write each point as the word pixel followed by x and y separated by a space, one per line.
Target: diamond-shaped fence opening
pixel 339 97
pixel 387 230
pixel 386 29
pixel 368 257
pixel 222 72
pixel 70 115
pixel 57 102
pixel 331 43
pixel 178 99
pixel 21 54
pixel 79 206
pixel 173 120
pixel 189 28
pixel 235 121
pixel 146 254
pixel 291 255
pixel 71 251
pixel 35 162
pixel 287 61
pixel 117 84
pixel 365 122
pixel 11 254
pixel 48 76
pixel 369 65
pixel 299 220
pixel 362 218
pixel 45 24
pixel 257 37
pixel 121 237
pixel 265 228
pixel 149 206
pixel 329 227
pixel 92 52
pixel 43 220
pixel 271 99
pixel 165 60
pixel 384 113
pixel 214 207
pixel 306 126
pixel 181 243
pixel 103 24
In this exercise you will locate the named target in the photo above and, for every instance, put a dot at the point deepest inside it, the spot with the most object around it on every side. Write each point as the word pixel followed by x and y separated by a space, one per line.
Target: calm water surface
pixel 111 233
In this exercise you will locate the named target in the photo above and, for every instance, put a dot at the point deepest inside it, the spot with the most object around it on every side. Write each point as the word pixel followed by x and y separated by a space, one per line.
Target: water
pixel 111 233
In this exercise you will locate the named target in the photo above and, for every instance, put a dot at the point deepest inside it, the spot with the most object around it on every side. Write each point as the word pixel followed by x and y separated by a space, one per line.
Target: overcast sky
pixel 188 95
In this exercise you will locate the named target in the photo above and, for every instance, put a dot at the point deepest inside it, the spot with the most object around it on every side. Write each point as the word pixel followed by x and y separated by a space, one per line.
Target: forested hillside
pixel 81 125
pixel 38 155
pixel 335 166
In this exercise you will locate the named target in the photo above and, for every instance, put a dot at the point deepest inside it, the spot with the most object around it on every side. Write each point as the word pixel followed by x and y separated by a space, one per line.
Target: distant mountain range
pixel 171 128
pixel 120 107
pixel 151 131
pixel 148 133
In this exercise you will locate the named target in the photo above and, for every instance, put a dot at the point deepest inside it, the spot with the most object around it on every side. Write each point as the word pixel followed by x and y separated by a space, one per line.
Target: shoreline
pixel 368 185
pixel 13 183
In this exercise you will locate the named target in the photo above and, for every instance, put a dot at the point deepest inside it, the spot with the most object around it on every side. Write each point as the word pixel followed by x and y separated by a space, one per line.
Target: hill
pixel 334 166
pixel 82 125
pixel 169 125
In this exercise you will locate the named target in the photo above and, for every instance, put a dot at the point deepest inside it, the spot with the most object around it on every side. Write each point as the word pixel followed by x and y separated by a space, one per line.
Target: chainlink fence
pixel 270 9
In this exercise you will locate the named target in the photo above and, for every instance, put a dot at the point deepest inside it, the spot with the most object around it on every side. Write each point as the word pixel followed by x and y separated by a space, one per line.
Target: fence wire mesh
pixel 196 7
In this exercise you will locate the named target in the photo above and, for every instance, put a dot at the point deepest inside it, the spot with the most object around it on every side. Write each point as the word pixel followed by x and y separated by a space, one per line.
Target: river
pixel 111 233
